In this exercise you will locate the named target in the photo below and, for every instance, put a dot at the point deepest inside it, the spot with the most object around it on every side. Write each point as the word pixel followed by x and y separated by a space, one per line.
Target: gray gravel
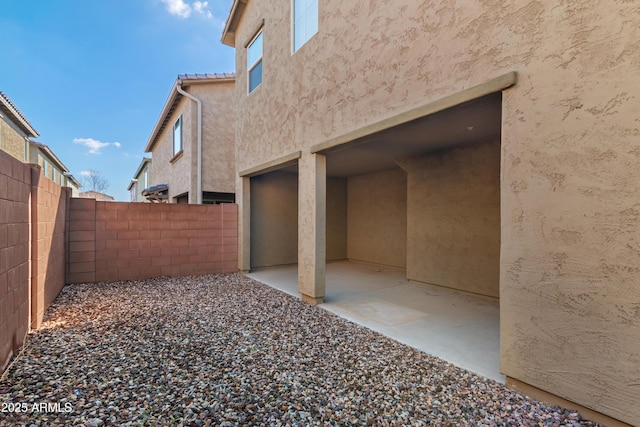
pixel 226 350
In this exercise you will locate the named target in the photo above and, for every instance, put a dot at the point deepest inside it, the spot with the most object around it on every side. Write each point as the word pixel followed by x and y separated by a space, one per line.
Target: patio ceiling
pixel 468 123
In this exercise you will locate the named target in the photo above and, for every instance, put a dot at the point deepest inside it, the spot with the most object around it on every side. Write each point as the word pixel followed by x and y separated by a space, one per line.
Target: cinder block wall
pixel 111 241
pixel 49 207
pixel 15 183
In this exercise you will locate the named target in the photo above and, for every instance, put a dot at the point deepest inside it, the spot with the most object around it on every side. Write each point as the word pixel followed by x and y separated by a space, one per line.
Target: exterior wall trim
pixel 254 33
pixel 497 84
pixel 272 165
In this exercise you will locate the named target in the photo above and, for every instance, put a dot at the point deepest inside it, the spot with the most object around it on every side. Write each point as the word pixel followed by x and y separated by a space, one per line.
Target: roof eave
pixel 17 117
pixel 52 156
pixel 143 163
pixel 174 96
pixel 229 32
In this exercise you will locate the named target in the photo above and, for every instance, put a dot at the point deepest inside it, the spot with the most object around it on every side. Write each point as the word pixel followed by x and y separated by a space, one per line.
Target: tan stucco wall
pixel 336 219
pixel 218 151
pixel 378 218
pixel 274 219
pixel 11 139
pixel 453 219
pixel 218 136
pixel 139 186
pixel 179 174
pixel 569 178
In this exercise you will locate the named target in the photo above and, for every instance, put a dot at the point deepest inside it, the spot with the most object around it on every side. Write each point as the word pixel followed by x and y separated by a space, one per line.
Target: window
pixel 305 21
pixel 254 62
pixel 146 178
pixel 177 136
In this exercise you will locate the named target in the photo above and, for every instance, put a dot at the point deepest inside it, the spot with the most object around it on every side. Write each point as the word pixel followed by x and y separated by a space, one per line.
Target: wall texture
pixel 176 172
pixel 274 219
pixel 453 219
pixel 569 196
pixel 377 231
pixel 218 136
pixel 336 219
pixel 110 241
pixel 218 150
pixel 11 139
pixel 15 273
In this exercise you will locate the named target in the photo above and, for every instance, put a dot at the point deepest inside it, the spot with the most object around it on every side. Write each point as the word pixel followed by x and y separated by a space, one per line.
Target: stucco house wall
pixel 52 167
pixel 12 140
pixel 568 163
pixel 218 136
pixel 176 171
pixel 453 222
pixel 142 179
pixel 180 171
pixel 274 217
pixel 15 130
pixel 377 228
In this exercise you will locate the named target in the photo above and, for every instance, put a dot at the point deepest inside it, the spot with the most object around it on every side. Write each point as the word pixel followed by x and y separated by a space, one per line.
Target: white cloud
pixel 202 7
pixel 94 145
pixel 183 9
pixel 177 8
pixel 87 173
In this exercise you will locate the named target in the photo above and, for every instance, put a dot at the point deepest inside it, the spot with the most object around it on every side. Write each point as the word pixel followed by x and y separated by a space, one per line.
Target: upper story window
pixel 305 21
pixel 177 136
pixel 146 178
pixel 254 62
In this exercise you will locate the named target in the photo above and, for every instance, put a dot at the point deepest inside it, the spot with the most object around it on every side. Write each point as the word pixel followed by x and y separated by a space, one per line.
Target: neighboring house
pixel 141 180
pixel 192 143
pixel 488 147
pixel 15 134
pixel 15 130
pixel 101 197
pixel 52 166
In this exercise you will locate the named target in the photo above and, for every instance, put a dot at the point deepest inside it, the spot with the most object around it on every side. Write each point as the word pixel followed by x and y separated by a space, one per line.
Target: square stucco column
pixel 244 224
pixel 312 196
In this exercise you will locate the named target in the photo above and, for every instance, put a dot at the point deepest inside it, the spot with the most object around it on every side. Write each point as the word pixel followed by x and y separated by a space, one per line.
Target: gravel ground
pixel 226 350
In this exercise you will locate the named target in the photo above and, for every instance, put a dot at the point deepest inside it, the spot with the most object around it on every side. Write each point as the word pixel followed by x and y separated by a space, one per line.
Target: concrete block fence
pixel 48 239
pixel 111 241
pixel 33 219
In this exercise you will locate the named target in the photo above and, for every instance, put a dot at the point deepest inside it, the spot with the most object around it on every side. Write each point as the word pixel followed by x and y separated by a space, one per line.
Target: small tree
pixel 93 181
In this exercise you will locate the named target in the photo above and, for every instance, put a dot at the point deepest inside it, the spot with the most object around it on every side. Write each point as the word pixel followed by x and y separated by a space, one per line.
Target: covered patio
pixel 458 327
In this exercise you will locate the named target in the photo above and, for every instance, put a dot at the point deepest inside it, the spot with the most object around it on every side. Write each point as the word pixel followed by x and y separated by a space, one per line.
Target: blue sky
pixel 92 76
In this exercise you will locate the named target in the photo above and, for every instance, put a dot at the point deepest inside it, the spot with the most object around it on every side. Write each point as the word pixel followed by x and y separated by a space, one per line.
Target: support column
pixel 244 224
pixel 312 200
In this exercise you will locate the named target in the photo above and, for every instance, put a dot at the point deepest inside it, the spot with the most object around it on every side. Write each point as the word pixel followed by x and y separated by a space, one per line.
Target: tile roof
pixel 16 116
pixel 207 76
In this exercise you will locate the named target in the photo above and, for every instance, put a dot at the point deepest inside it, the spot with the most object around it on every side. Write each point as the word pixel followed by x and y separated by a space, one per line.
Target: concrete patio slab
pixel 460 328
